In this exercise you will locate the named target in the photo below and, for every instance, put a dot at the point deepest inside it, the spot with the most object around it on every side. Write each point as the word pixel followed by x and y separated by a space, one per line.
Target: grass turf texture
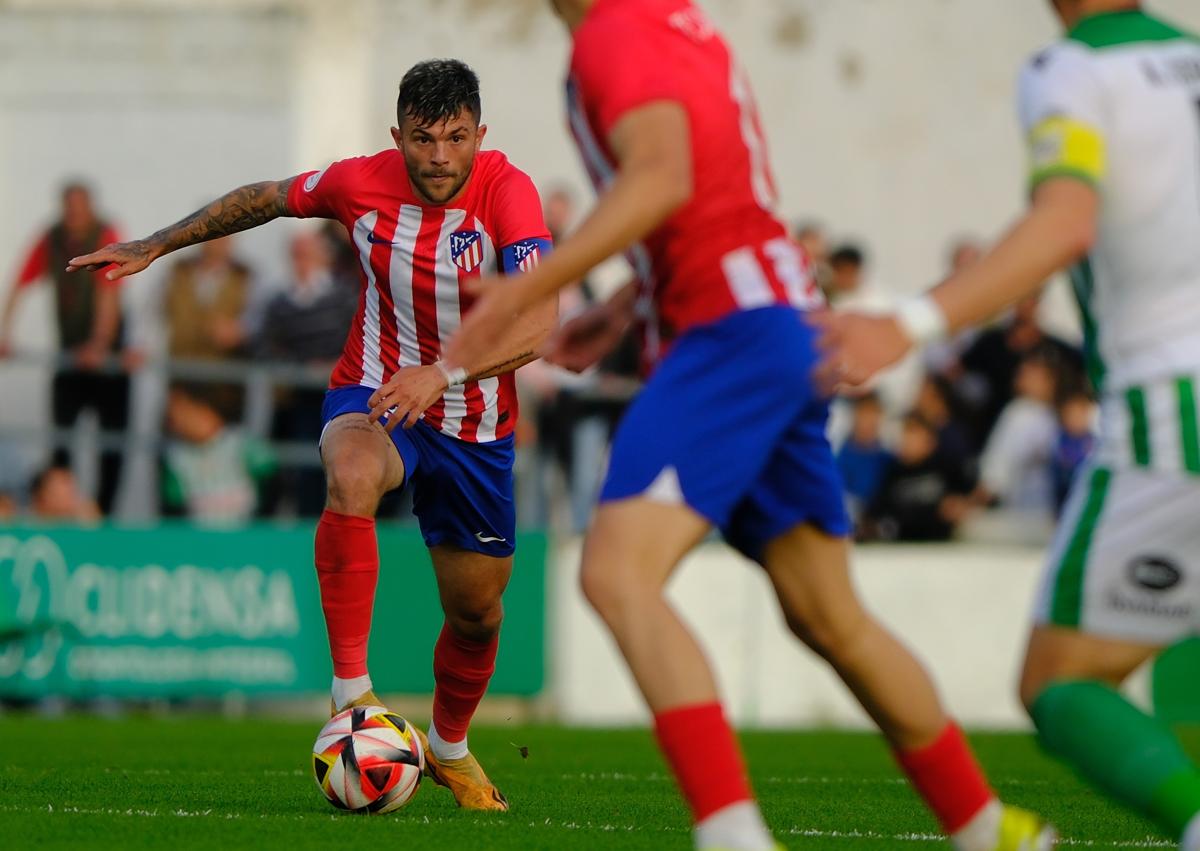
pixel 202 783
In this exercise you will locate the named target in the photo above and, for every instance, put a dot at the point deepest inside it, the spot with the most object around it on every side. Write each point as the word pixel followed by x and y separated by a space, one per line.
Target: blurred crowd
pixel 994 423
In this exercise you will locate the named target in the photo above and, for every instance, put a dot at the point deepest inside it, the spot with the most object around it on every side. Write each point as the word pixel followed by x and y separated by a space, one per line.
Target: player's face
pixel 439 156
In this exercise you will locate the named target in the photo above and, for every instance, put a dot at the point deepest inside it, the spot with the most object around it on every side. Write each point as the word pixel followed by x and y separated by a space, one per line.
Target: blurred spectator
pixel 1074 442
pixel 309 317
pixel 847 288
pixel 937 405
pixel 8 507
pixel 206 299
pixel 345 265
pixel 54 495
pixel 812 238
pixel 923 497
pixel 945 358
pixel 1015 467
pixel 995 355
pixel 88 316
pixel 212 473
pixel 851 288
pixel 862 459
pixel 306 323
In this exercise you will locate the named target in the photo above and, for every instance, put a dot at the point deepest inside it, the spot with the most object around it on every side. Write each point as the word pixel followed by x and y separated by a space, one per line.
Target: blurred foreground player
pixel 1112 114
pixel 727 432
pixel 424 218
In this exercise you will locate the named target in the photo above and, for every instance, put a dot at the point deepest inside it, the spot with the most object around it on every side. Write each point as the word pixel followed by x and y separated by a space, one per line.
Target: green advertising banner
pixel 176 611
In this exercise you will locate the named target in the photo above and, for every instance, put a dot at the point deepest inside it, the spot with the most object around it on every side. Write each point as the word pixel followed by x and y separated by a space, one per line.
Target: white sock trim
pixel 738 827
pixel 443 749
pixel 1191 835
pixel 982 832
pixel 347 690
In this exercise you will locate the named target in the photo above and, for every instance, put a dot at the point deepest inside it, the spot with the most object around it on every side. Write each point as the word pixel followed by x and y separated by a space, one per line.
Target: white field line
pixel 622 777
pixel 809 833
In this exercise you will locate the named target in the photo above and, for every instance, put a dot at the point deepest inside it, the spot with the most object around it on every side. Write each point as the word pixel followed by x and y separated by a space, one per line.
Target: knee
pixel 833 639
pixel 607 590
pixel 476 618
pixel 355 482
pixel 1035 681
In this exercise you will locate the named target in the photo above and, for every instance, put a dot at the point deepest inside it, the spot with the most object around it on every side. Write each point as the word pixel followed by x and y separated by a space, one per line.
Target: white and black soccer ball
pixel 368 759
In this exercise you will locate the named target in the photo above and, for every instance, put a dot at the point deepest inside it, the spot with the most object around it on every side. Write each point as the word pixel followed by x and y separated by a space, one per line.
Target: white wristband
pixel 455 376
pixel 922 320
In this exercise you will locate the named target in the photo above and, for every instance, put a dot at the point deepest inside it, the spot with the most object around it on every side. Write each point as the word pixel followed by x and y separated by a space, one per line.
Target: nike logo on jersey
pixel 484 539
pixel 375 240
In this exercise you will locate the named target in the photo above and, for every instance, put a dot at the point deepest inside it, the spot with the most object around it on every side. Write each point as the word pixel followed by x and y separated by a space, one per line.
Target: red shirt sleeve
pixel 518 210
pixel 618 67
pixel 35 263
pixel 324 194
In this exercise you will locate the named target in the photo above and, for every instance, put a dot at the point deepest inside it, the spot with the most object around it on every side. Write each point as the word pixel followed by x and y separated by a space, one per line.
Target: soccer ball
pixel 368 759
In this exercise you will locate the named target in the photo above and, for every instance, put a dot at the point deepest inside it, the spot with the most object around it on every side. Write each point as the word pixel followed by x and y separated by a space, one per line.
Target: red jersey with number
pixel 414 259
pixel 725 250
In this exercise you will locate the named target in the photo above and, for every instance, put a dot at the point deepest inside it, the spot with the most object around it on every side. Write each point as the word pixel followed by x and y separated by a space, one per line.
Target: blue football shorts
pixel 732 425
pixel 462 492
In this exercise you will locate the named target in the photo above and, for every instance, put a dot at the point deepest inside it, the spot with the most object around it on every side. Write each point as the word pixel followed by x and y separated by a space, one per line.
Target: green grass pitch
pixel 191 782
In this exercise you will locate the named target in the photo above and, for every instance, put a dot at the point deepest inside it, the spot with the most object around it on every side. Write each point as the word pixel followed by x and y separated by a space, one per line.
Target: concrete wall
pixel 964 610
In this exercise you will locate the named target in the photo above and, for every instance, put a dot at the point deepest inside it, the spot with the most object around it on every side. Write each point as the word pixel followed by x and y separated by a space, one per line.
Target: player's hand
pixel 126 258
pixel 854 347
pixel 583 341
pixel 485 323
pixel 407 395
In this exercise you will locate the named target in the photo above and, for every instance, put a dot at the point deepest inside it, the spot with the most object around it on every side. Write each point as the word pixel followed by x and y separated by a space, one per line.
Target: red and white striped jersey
pixel 725 250
pixel 414 258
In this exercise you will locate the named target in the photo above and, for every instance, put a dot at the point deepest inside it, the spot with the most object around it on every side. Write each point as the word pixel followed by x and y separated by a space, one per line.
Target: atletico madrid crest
pixel 466 249
pixel 527 255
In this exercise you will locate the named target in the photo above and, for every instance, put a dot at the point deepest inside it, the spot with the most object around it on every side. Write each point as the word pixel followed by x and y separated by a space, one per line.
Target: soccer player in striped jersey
pixel 425 217
pixel 727 433
pixel 1112 115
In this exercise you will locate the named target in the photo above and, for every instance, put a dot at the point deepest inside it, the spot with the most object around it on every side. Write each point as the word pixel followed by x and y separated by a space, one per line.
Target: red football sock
pixel 462 669
pixel 347 558
pixel 702 751
pixel 947 776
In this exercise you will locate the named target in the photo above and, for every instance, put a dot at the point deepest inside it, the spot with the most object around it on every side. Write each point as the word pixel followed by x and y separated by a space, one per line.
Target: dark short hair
pixel 437 90
pixel 847 255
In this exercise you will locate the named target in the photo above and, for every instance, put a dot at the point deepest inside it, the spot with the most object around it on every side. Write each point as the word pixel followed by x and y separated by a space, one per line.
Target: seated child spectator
pixel 54 495
pixel 923 497
pixel 1076 437
pixel 862 460
pixel 212 472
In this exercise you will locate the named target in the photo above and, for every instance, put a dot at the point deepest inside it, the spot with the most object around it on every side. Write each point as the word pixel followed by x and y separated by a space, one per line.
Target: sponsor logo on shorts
pixel 1154 573
pixel 1148 605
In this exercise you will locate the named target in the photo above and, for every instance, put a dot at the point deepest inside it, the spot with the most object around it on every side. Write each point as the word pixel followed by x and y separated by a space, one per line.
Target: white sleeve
pixel 1060 82
pixel 1062 108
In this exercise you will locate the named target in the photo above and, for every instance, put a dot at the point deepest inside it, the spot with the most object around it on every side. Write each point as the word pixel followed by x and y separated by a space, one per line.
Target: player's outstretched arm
pixel 244 208
pixel 1058 229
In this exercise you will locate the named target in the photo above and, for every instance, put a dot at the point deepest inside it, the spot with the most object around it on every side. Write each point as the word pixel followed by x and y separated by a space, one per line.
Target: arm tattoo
pixel 244 208
pixel 509 365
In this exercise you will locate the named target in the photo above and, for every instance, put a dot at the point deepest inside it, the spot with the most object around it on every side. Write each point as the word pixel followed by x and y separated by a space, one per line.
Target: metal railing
pixel 260 380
